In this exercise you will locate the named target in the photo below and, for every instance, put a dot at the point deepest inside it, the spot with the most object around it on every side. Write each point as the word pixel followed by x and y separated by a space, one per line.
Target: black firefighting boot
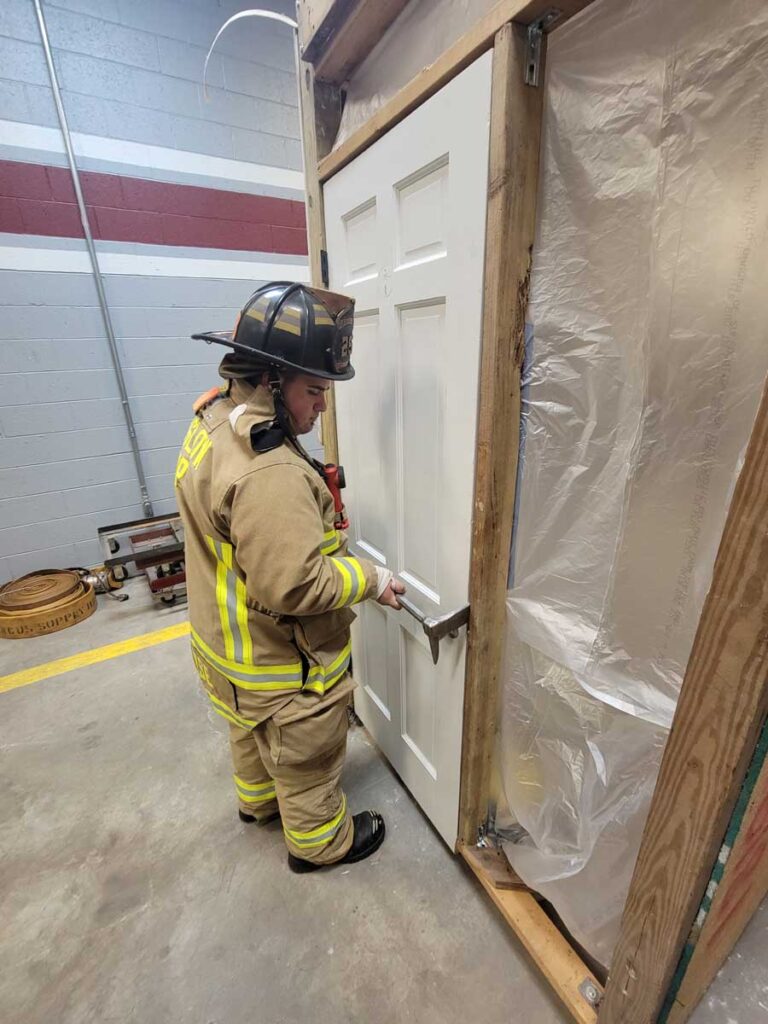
pixel 369 832
pixel 249 819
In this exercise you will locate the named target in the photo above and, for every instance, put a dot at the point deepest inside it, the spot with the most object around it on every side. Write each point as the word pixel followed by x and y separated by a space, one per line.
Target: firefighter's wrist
pixel 384 578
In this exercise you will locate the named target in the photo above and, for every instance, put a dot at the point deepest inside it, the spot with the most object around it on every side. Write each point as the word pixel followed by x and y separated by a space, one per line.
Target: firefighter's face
pixel 305 399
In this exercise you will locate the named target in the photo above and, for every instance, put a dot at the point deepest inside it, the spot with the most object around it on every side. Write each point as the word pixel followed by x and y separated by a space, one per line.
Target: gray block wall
pixel 130 70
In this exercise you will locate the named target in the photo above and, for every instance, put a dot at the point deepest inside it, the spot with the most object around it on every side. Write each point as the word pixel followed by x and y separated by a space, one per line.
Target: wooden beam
pixel 511 220
pixel 320 110
pixel 310 15
pixel 740 891
pixel 545 944
pixel 723 704
pixel 468 48
pixel 345 32
pixel 493 864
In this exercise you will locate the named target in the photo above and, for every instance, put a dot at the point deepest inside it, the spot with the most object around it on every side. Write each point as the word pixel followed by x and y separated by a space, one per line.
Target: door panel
pixel 406 230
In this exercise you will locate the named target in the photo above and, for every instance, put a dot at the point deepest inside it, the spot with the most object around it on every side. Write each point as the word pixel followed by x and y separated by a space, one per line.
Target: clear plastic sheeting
pixel 417 37
pixel 649 350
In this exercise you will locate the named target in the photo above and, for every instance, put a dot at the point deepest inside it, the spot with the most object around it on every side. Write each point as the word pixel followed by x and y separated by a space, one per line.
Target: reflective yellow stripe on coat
pixel 230 599
pixel 249 676
pixel 322 677
pixel 231 716
pixel 352 574
pixel 331 542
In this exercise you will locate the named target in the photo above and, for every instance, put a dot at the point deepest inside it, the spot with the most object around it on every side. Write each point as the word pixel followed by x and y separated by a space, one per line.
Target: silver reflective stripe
pixel 237 640
pixel 255 681
pixel 353 572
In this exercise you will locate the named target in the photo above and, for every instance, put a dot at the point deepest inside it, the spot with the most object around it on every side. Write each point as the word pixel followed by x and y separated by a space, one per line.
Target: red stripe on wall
pixel 40 200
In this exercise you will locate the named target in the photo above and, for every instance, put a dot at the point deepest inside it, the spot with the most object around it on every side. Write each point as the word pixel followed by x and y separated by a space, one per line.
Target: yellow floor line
pixel 61 665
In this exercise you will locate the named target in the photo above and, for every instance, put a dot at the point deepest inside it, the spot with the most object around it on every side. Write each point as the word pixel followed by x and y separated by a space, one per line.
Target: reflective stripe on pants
pixel 255 789
pixel 305 758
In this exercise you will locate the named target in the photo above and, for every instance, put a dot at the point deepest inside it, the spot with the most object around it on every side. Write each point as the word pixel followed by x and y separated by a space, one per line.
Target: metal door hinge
pixel 536 32
pixel 324 267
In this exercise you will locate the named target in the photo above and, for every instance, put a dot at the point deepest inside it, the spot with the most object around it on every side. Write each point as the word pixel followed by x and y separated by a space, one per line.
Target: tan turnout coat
pixel 271 583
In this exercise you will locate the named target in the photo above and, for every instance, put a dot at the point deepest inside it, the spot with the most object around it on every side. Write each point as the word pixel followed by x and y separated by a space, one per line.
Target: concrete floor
pixel 131 892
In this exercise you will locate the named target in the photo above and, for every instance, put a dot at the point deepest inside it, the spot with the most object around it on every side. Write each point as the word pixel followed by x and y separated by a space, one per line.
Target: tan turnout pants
pixel 293 762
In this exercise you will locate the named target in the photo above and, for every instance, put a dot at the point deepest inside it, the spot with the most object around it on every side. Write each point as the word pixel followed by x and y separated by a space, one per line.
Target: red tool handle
pixel 335 481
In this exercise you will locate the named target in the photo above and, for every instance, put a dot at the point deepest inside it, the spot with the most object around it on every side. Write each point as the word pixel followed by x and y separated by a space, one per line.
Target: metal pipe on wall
pixel 110 331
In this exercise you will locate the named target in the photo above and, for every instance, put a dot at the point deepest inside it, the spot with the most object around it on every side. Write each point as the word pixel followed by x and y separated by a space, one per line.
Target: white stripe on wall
pixel 137 154
pixel 73 261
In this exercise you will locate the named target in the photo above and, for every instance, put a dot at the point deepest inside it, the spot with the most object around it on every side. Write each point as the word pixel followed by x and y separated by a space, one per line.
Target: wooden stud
pixel 457 57
pixel 494 865
pixel 741 890
pixel 320 111
pixel 310 16
pixel 548 948
pixel 511 219
pixel 346 33
pixel 723 704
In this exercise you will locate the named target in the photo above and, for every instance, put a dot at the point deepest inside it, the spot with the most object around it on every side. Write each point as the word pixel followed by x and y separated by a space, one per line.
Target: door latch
pixel 436 629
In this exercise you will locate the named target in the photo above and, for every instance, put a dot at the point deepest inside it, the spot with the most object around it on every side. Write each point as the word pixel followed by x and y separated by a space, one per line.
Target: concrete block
pixel 47 418
pixel 106 79
pixel 170 322
pixel 161 488
pixel 164 381
pixel 98 116
pixel 17 20
pixel 60 532
pixel 53 219
pixel 162 461
pixel 30 289
pixel 259 81
pixel 173 291
pixel 253 39
pixel 70 502
pixel 294 157
pixel 10 215
pixel 59 448
pixel 260 148
pixel 228 108
pixel 127 225
pixel 130 322
pixel 165 352
pixel 48 386
pixel 160 17
pixel 40 106
pixel 50 322
pixel 174 405
pixel 26 103
pixel 59 476
pixel 22 62
pixel 46 558
pixel 169 434
pixel 28 356
pixel 198 136
pixel 79 33
pixel 106 10
pixel 182 60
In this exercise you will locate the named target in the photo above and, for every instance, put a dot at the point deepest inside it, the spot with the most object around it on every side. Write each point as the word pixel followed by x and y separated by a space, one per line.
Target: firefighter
pixel 270 579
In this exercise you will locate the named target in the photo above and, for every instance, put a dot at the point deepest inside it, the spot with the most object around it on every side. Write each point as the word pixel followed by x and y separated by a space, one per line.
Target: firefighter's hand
pixel 389 595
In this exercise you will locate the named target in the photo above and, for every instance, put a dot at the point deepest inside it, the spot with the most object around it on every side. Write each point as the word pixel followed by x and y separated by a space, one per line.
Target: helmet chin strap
pixel 283 418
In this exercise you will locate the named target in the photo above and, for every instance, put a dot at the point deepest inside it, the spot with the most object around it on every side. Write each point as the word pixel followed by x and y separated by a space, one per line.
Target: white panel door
pixel 405 227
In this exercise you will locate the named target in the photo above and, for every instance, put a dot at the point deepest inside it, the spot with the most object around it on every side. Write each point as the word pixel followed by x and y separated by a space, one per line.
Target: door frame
pixel 724 697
